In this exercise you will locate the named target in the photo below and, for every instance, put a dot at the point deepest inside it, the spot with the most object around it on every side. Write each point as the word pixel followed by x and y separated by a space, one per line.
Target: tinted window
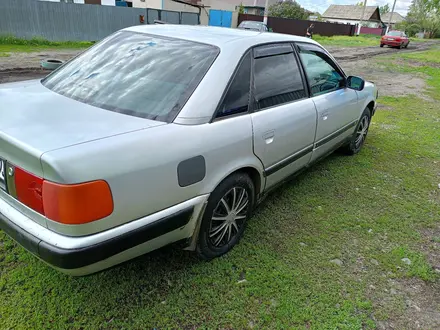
pixel 322 73
pixel 237 97
pixel 277 80
pixel 251 25
pixel 394 33
pixel 136 74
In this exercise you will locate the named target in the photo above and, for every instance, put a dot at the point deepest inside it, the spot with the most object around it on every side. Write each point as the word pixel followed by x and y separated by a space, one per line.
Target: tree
pixel 241 8
pixel 360 3
pixel 426 15
pixel 384 9
pixel 288 9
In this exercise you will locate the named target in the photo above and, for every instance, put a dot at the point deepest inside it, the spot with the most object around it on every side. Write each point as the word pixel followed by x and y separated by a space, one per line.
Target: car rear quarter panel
pixel 141 167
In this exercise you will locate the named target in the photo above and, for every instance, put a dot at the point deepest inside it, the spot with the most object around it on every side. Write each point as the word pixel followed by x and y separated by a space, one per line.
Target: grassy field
pixel 9 44
pixel 322 252
pixel 347 41
pixel 363 40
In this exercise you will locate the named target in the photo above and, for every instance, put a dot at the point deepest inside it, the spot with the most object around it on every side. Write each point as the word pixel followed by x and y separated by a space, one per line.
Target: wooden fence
pixel 299 27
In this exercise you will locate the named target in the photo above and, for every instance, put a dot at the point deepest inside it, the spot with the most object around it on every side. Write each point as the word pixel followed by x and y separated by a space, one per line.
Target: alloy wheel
pixel 362 131
pixel 229 216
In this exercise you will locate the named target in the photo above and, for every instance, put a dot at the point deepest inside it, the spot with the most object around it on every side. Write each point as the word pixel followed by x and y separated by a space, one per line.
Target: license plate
pixel 2 174
pixel 390 39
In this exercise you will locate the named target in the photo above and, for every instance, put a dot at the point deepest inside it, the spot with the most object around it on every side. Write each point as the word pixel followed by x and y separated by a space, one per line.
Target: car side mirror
pixel 356 83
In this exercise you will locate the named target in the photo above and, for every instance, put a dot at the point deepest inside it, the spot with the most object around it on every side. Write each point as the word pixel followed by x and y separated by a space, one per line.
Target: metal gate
pixel 220 18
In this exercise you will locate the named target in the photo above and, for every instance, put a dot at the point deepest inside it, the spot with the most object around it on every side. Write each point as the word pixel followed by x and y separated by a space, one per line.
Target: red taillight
pixel 68 204
pixel 29 189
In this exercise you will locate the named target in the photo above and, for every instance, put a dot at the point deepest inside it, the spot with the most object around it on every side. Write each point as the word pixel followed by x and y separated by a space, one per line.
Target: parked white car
pixel 167 133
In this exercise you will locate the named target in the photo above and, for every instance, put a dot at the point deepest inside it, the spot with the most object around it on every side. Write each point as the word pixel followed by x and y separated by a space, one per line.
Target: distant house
pixel 396 19
pixel 352 14
pixel 253 7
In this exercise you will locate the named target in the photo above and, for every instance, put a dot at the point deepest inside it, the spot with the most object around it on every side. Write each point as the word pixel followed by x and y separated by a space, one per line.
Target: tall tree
pixel 384 9
pixel 288 9
pixel 426 15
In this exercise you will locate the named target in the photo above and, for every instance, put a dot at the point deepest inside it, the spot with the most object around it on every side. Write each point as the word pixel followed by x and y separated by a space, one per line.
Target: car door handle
pixel 324 115
pixel 269 136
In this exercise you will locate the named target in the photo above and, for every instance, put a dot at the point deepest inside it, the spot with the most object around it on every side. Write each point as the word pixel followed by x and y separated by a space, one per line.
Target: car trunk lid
pixel 35 120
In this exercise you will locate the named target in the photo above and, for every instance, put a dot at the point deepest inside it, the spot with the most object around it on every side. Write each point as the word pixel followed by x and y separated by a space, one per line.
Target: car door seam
pixel 334 134
pixel 288 160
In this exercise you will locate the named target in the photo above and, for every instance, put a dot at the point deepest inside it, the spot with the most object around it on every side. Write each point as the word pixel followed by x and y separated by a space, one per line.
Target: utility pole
pixel 266 9
pixel 362 17
pixel 391 16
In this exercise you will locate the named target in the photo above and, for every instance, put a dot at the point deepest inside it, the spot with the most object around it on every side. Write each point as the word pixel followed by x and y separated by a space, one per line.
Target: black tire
pixel 237 182
pixel 406 46
pixel 400 46
pixel 381 45
pixel 353 147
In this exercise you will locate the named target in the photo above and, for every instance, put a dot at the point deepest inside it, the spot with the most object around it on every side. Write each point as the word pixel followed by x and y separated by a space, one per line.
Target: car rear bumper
pixel 391 43
pixel 88 254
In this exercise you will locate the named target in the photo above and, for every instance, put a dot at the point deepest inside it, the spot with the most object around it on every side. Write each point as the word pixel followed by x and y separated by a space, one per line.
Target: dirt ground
pixel 360 61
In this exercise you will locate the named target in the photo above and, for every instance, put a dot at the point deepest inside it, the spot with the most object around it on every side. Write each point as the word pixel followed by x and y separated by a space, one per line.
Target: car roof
pixel 217 36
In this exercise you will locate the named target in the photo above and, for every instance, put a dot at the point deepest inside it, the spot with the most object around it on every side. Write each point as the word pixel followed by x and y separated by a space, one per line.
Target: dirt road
pixel 344 54
pixel 355 60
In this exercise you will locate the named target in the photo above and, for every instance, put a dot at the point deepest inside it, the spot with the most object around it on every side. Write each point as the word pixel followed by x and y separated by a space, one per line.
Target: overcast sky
pixel 322 5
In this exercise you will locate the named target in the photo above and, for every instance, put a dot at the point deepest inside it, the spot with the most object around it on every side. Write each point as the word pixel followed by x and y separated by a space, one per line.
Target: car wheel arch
pixel 252 171
pixel 255 174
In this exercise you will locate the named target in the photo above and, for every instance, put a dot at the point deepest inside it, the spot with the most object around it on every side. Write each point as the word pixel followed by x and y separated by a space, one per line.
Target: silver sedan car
pixel 167 133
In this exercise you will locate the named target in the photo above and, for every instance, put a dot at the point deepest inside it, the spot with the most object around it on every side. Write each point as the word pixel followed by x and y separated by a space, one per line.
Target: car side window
pixel 236 99
pixel 277 80
pixel 322 73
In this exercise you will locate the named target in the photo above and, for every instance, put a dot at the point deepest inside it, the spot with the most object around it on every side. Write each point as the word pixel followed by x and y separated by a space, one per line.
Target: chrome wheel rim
pixel 361 133
pixel 229 216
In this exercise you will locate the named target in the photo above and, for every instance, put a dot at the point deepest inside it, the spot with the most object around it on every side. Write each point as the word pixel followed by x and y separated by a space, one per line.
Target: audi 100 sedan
pixel 162 134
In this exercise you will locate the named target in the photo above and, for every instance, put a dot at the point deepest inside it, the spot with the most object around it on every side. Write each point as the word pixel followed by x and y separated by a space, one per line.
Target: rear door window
pixel 277 79
pixel 136 74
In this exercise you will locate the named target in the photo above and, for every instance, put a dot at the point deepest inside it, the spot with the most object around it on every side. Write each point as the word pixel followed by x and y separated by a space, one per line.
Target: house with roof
pixel 352 14
pixel 254 7
pixel 396 19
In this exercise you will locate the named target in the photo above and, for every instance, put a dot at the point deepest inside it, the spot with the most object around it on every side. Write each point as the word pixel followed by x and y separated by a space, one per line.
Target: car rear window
pixel 250 25
pixel 395 33
pixel 136 74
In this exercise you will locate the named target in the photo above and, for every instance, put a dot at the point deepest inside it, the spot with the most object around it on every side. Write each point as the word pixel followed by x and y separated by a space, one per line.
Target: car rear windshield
pixel 394 33
pixel 250 25
pixel 136 74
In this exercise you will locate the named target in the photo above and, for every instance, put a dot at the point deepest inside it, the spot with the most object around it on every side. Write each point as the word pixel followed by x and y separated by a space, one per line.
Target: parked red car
pixel 395 39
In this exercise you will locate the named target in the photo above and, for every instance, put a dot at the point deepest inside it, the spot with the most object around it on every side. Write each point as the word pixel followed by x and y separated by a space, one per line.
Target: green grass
pixel 430 56
pixel 368 211
pixel 363 40
pixel 426 64
pixel 10 44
